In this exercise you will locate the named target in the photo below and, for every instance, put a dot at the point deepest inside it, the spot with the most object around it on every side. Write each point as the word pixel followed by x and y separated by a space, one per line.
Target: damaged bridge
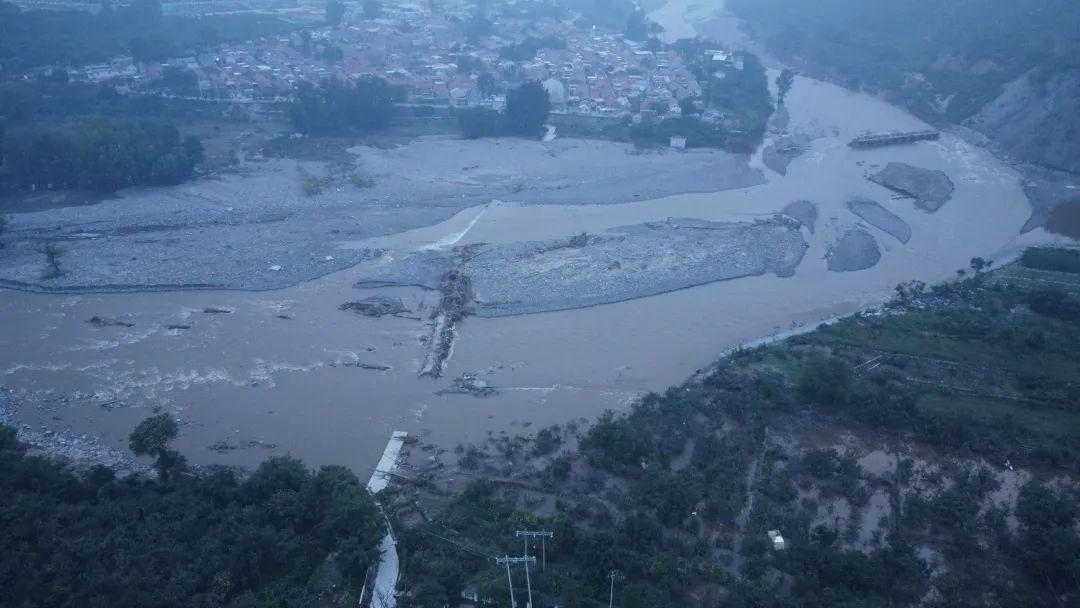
pixel 878 140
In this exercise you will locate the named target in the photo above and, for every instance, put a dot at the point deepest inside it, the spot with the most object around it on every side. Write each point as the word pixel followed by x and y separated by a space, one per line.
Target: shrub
pixel 826 381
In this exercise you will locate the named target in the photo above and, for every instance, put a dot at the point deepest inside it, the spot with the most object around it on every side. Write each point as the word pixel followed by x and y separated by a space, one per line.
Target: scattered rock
pixel 177 327
pixel 930 188
pixel 802 211
pixel 881 218
pixel 856 250
pixel 104 322
pixel 213 310
pixel 378 367
pixel 457 294
pixel 470 384
pixel 225 446
pixel 376 306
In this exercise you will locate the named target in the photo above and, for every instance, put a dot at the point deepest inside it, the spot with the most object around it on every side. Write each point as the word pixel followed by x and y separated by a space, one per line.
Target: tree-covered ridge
pixel 956 387
pixel 940 58
pixel 29 39
pixel 285 536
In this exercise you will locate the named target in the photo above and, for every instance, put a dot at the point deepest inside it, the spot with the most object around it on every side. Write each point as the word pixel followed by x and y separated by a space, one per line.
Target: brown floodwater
pixel 278 374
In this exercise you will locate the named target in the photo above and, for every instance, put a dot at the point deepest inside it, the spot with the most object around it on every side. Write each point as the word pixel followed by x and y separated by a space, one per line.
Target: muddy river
pixel 251 374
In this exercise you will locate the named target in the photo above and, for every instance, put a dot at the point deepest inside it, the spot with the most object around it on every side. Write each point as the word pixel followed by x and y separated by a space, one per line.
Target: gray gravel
pixel 256 229
pixel 803 211
pixel 66 447
pixel 881 218
pixel 930 188
pixel 856 250
pixel 250 231
pixel 619 264
pixel 376 306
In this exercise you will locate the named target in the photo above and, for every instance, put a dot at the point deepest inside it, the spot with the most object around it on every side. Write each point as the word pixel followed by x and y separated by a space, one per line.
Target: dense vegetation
pixel 527 109
pixel 282 537
pixel 43 38
pixel 978 368
pixel 57 133
pixel 342 107
pixel 527 49
pixel 740 96
pixel 102 155
pixel 939 58
pixel 1053 259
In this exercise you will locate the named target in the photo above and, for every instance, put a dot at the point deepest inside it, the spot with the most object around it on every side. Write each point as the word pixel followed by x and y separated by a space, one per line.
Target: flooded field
pixel 251 374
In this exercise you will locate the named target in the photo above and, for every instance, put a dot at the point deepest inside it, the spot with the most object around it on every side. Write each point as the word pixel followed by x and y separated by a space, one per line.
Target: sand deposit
pixel 930 188
pixel 856 250
pixel 881 218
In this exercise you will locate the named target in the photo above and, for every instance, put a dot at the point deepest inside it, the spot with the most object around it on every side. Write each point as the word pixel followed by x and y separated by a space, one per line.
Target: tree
pixel 139 49
pixel 372 9
pixel 486 83
pixel 478 26
pixel 527 108
pixel 179 80
pixel 783 85
pixel 478 122
pixel 340 106
pixel 102 155
pixel 636 29
pixel 335 12
pixel 827 381
pixel 151 438
pixel 979 264
pixel 333 54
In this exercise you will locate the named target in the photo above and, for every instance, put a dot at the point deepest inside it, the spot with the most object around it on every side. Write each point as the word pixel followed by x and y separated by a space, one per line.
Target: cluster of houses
pixel 428 54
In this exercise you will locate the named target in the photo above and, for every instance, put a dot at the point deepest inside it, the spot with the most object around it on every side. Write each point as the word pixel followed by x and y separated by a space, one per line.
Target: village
pixel 442 56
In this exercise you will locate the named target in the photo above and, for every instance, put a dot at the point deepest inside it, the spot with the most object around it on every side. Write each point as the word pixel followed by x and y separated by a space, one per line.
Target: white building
pixel 777 539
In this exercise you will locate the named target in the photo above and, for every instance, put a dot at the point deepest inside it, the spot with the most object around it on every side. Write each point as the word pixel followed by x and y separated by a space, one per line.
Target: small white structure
pixel 777 540
pixel 678 142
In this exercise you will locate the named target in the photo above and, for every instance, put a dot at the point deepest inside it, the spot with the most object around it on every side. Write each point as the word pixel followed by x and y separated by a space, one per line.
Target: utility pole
pixel 611 594
pixel 506 559
pixel 528 584
pixel 544 535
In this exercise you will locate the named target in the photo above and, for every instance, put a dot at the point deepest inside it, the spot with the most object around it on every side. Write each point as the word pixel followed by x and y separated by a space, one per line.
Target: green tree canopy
pixel 372 9
pixel 527 108
pixel 338 107
pixel 335 12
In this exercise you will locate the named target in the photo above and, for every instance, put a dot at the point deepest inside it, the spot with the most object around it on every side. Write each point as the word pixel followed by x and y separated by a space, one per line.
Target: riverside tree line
pixel 284 536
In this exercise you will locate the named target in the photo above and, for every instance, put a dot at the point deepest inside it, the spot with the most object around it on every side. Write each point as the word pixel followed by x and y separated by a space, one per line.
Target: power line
pixel 459 545
pixel 506 559
pixel 543 535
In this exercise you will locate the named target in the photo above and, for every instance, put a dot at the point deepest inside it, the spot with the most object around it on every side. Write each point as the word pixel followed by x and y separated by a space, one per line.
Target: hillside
pixel 1007 69
pixel 906 456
